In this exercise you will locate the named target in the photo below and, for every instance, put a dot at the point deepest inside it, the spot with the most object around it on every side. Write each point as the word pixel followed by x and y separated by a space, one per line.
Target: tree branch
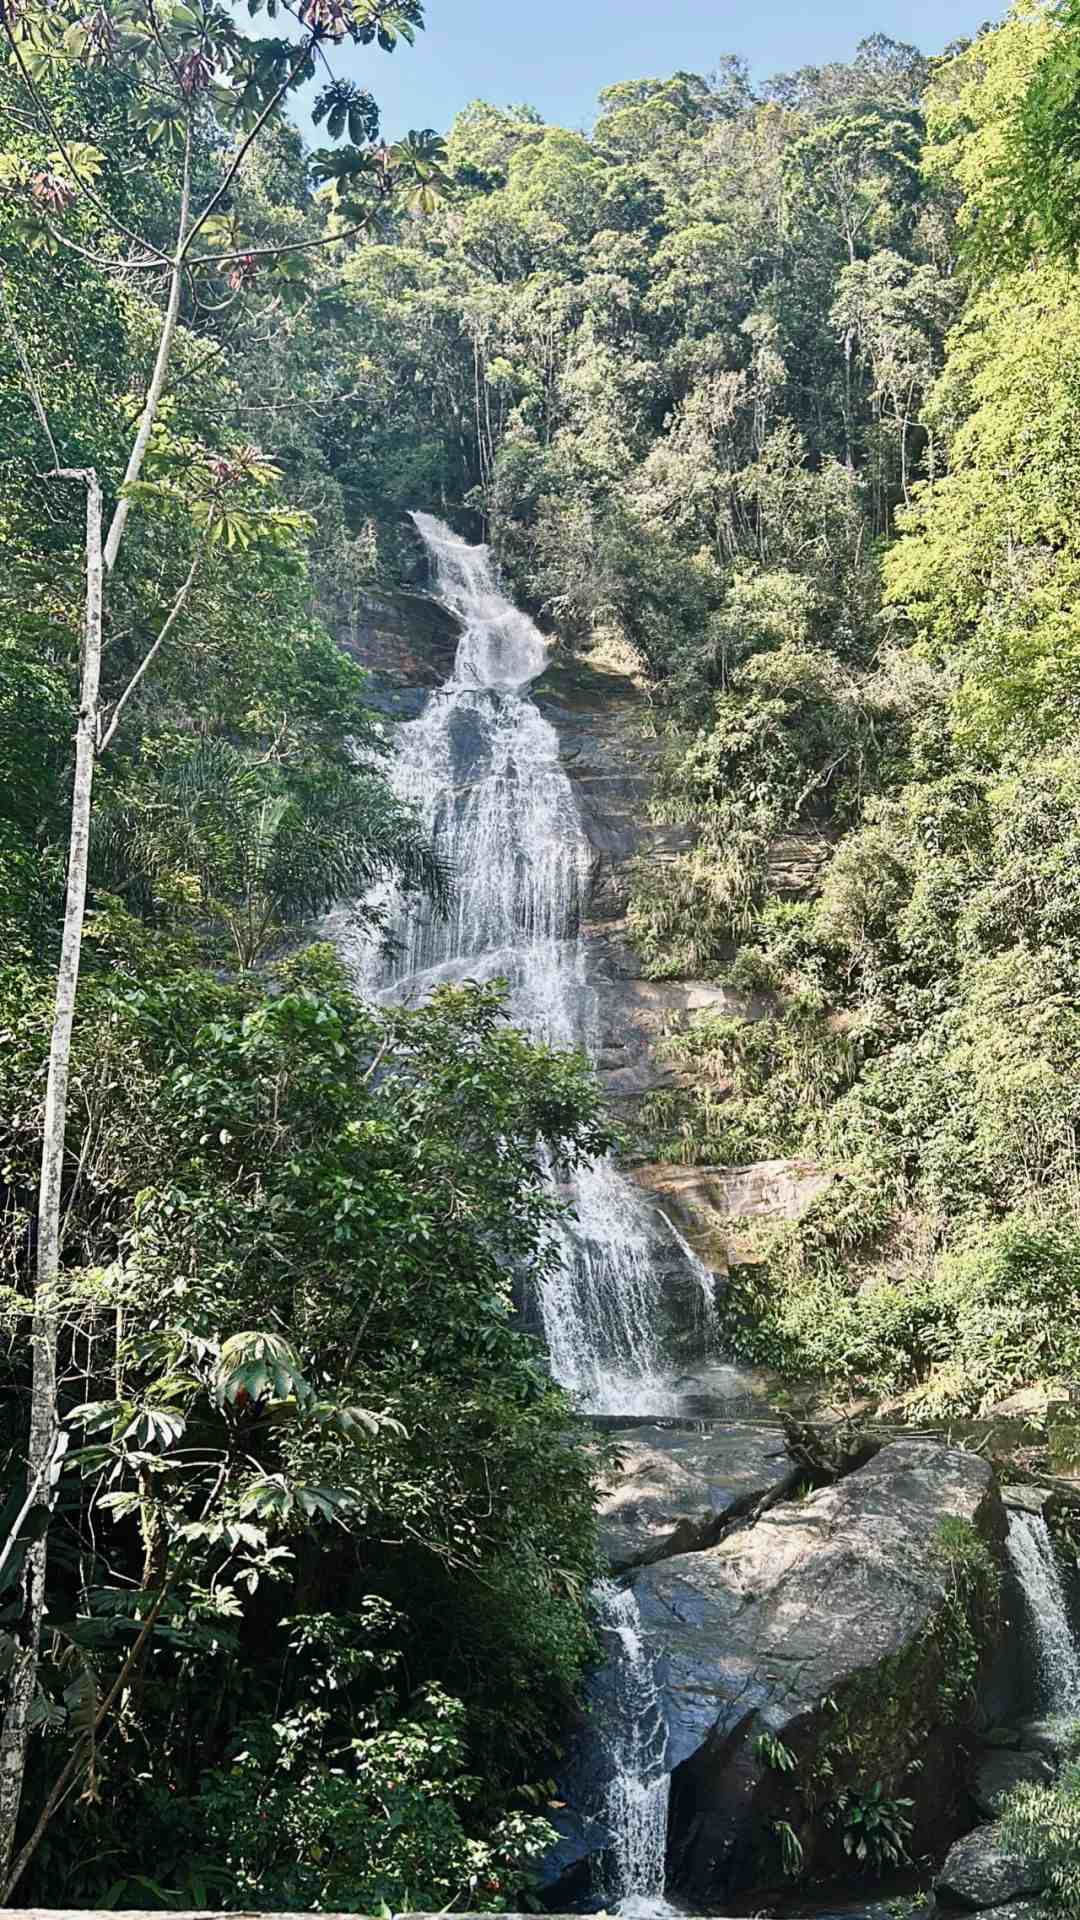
pixel 290 246
pixel 245 146
pixel 28 372
pixel 57 1446
pixel 65 1777
pixel 161 367
pixel 84 185
pixel 105 740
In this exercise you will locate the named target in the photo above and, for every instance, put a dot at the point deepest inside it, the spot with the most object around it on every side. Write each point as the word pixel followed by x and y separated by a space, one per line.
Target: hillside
pixel 703 491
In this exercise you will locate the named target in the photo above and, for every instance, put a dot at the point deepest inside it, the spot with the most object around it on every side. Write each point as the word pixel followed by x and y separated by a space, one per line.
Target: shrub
pixel 1043 1824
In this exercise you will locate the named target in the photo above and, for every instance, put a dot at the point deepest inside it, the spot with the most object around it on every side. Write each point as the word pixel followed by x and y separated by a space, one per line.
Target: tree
pixel 895 314
pixel 314 1403
pixel 182 63
pixel 1028 205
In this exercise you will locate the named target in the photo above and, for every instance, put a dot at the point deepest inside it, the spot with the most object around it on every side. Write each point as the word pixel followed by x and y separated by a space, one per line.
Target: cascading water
pixel 481 767
pixel 636 1806
pixel 1031 1551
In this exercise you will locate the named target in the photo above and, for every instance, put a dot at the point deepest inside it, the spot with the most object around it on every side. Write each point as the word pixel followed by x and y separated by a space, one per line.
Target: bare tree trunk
pixel 147 418
pixel 161 364
pixel 43 1435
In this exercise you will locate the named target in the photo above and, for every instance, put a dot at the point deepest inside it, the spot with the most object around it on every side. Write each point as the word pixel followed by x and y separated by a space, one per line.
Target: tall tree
pixel 183 63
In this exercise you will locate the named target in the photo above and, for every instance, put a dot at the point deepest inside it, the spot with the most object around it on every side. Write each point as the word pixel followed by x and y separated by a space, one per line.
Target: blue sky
pixel 557 54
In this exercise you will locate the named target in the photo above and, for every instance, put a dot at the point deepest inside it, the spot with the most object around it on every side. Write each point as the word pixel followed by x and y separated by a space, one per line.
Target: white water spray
pixel 1031 1551
pixel 636 1804
pixel 481 767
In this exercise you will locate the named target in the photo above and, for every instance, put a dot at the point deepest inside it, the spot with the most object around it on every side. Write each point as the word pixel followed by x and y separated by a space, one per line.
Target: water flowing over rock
pixel 742 1616
pixel 482 766
pixel 677 1487
pixel 639 1782
pixel 1031 1551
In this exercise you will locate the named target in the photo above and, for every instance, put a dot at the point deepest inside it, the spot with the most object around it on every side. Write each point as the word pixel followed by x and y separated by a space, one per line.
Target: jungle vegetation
pixel 769 393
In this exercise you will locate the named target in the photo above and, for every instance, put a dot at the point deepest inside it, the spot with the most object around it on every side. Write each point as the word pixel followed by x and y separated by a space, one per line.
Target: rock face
pixel 707 1203
pixel 820 1615
pixel 996 1774
pixel 1020 1499
pixel 677 1490
pixel 407 641
pixel 632 1014
pixel 1052 1738
pixel 980 1872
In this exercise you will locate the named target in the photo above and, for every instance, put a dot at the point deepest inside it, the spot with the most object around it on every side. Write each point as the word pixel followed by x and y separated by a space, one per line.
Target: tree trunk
pixel 43 1433
pixel 147 418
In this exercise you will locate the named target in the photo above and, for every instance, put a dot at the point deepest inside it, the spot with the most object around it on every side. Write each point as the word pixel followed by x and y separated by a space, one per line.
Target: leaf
pixel 257 1366
pixel 119 1504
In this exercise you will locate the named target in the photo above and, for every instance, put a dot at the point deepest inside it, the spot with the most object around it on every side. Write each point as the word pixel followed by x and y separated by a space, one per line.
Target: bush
pixel 1043 1824
pixel 379 1824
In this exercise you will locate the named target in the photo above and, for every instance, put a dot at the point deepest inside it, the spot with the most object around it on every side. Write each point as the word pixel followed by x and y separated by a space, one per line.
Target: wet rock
pixel 980 1872
pixel 819 1604
pixel 708 1204
pixel 1026 1499
pixel 675 1491
pixel 896 1909
pixel 571 1862
pixel 406 640
pixel 1054 1739
pixel 996 1774
pixel 1013 1910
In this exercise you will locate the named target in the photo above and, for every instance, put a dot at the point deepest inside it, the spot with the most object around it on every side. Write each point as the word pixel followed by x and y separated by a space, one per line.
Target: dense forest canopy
pixel 767 395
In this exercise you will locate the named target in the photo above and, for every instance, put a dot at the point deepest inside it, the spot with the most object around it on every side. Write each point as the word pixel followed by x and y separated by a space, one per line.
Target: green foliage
pixel 874 1828
pixel 774 1753
pixel 792 1852
pixel 377 1825
pixel 688 370
pixel 1043 1825
pixel 319 1398
pixel 972 1591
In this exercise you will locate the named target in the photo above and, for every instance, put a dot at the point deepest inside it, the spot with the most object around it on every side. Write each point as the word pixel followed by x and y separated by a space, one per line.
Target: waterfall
pixel 635 1734
pixel 481 766
pixel 1031 1551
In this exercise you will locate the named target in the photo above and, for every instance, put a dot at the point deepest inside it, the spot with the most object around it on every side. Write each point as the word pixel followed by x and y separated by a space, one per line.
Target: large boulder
pixel 676 1488
pixel 997 1774
pixel 981 1872
pixel 829 1627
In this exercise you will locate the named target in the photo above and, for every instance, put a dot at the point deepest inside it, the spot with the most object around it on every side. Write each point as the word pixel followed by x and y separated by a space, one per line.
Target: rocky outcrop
pixel 633 1015
pixel 824 1625
pixel 815 1650
pixel 714 1207
pixel 676 1490
pixel 407 642
pixel 980 1872
pixel 1054 1739
pixel 997 1773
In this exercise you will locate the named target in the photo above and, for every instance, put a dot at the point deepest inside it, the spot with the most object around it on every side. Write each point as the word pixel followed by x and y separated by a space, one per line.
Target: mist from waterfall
pixel 481 767
pixel 1031 1551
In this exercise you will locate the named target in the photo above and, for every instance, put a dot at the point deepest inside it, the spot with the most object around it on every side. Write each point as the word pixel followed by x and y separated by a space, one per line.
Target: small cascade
pixel 635 1734
pixel 1031 1551
pixel 481 767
